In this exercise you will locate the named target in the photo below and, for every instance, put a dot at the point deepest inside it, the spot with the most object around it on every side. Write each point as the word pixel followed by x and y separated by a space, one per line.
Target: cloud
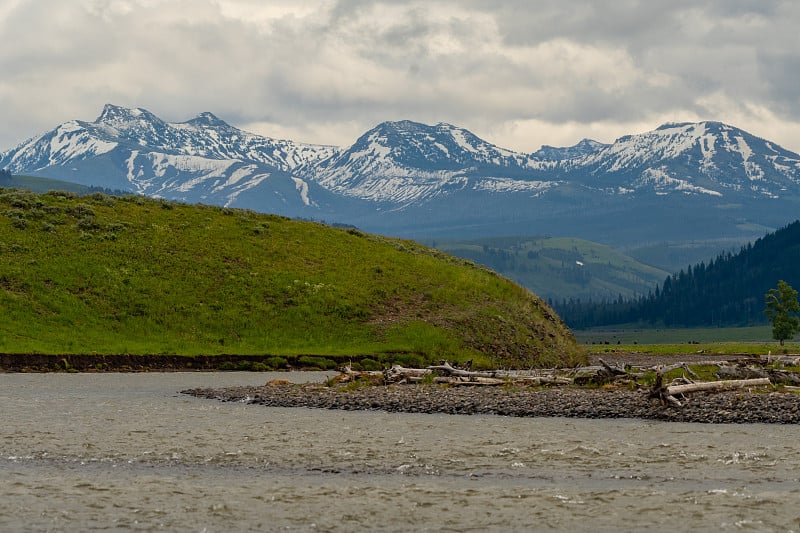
pixel 520 74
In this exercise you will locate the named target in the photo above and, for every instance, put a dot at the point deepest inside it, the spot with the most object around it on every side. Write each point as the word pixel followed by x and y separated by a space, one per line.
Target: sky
pixel 517 73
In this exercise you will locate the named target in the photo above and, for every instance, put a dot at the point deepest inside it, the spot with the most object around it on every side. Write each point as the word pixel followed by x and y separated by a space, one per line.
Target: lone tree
pixel 782 307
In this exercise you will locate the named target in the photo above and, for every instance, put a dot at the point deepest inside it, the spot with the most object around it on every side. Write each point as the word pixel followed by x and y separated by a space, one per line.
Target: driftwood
pixel 742 374
pixel 750 370
pixel 445 373
pixel 472 381
pixel 667 393
pixel 728 384
pixel 450 370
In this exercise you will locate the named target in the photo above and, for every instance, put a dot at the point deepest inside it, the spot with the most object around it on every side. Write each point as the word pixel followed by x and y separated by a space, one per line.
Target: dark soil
pixel 143 363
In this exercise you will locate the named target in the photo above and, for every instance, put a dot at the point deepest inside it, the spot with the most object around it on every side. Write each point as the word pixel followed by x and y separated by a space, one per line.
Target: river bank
pixel 32 362
pixel 164 362
pixel 724 407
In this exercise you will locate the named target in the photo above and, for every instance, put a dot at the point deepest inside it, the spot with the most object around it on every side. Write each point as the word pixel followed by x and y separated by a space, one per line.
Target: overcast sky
pixel 518 73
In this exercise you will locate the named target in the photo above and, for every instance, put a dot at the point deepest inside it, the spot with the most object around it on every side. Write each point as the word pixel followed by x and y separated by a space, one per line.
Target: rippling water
pixel 126 451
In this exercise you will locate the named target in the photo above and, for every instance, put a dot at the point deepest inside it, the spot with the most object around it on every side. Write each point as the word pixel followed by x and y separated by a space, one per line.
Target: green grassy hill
pixel 116 275
pixel 561 268
pixel 39 184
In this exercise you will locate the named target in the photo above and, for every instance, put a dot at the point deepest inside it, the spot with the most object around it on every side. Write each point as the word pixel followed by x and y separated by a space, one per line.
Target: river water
pixel 82 452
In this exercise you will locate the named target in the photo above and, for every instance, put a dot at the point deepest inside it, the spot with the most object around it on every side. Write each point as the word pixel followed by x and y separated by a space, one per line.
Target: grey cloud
pixel 781 72
pixel 358 62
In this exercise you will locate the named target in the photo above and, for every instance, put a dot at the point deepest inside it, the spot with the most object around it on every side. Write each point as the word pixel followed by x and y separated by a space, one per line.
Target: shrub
pixel 410 360
pixel 277 362
pixel 316 362
pixel 370 364
pixel 88 223
pixel 81 210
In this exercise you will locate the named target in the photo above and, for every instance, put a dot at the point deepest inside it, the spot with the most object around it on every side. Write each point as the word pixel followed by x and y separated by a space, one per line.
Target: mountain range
pixel 679 182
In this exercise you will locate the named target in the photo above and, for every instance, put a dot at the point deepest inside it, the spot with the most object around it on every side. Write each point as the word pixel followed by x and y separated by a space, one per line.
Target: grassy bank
pixel 664 341
pixel 128 275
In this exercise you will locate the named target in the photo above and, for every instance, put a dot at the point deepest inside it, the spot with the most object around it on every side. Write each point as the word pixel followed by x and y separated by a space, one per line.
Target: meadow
pixel 732 340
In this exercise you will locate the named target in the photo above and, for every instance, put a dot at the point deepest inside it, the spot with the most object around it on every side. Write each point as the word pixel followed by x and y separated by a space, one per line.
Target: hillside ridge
pixel 131 275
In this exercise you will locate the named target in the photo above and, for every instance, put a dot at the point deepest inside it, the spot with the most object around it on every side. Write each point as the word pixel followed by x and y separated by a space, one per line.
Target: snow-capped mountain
pixel 694 158
pixel 203 159
pixel 583 148
pixel 406 162
pixel 407 178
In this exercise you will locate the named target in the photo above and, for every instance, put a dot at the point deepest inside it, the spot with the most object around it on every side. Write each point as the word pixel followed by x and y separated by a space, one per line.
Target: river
pixel 116 452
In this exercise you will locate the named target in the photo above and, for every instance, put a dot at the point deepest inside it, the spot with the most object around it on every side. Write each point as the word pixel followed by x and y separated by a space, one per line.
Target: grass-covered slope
pixel 101 274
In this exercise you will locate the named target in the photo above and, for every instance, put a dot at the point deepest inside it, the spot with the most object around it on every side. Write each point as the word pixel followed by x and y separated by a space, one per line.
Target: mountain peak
pixel 208 119
pixel 401 126
pixel 555 153
pixel 115 113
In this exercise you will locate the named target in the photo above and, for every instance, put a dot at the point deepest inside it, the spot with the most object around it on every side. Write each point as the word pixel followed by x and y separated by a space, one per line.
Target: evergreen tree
pixel 782 308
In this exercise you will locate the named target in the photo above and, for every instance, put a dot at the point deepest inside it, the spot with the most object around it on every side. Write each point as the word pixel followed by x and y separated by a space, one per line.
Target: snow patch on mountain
pixel 68 142
pixel 667 142
pixel 302 188
pixel 505 185
pixel 663 183
pixel 388 183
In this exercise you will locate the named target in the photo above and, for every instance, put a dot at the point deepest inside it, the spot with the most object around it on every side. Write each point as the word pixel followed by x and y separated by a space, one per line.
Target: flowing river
pixel 82 452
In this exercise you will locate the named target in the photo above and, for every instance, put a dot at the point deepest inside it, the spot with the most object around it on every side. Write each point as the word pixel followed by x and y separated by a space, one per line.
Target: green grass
pixel 751 340
pixel 100 274
pixel 629 335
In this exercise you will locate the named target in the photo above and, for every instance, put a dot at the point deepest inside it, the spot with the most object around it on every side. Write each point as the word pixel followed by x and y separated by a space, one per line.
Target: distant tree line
pixel 109 192
pixel 5 177
pixel 728 291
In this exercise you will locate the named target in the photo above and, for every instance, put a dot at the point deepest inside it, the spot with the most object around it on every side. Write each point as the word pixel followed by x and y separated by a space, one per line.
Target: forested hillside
pixel 728 291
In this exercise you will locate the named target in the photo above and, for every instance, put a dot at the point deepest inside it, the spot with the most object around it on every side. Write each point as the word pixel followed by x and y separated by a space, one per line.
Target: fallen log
pixel 613 370
pixel 729 384
pixel 471 381
pixel 661 369
pixel 450 370
pixel 741 372
pixel 667 393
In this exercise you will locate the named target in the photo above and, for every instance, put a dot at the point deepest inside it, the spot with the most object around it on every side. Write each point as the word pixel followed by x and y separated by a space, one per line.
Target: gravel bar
pixel 741 406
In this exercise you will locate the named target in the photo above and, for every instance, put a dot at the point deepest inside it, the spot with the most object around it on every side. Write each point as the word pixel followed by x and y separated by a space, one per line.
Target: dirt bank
pixel 153 363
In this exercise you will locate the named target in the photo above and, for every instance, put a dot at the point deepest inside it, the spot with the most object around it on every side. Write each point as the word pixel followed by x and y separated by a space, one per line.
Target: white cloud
pixel 517 73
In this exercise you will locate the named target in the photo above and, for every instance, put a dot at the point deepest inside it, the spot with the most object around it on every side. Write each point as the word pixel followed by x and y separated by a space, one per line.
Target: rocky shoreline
pixel 722 407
